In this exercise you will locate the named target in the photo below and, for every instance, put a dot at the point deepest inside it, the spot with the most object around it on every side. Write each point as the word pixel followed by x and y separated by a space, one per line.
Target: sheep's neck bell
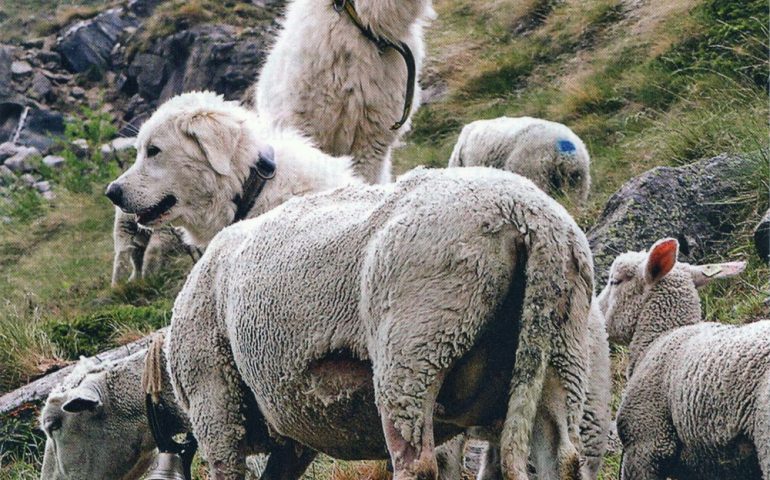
pixel 174 459
pixel 168 466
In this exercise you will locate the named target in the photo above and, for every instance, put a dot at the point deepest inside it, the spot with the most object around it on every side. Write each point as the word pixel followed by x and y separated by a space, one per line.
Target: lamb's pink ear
pixel 704 274
pixel 661 259
pixel 81 399
pixel 217 135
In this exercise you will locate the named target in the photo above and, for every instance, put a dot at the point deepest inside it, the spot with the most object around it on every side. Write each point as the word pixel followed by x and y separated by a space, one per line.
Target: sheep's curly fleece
pixel 697 404
pixel 404 275
pixel 548 153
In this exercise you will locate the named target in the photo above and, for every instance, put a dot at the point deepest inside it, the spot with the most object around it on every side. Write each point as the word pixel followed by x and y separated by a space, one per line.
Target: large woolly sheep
pixel 697 402
pixel 594 426
pixel 395 309
pixel 342 84
pixel 548 153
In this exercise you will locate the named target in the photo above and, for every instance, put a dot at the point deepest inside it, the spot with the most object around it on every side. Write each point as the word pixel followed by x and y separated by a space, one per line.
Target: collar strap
pixel 157 418
pixel 382 43
pixel 259 174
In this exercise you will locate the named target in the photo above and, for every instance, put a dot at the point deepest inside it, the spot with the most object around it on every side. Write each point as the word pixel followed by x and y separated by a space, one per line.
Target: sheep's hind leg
pixel 411 447
pixel 288 462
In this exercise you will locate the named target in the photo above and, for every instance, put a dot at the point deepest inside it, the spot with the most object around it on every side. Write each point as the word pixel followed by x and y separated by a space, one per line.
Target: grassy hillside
pixel 644 83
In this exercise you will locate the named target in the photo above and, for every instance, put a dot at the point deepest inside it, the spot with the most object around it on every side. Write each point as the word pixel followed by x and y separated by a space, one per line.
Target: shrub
pixel 89 334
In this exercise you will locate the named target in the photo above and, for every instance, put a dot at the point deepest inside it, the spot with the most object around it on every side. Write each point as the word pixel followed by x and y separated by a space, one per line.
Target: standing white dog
pixel 339 73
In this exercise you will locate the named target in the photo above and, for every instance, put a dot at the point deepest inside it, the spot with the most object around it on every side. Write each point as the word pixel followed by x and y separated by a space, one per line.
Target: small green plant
pixel 82 171
pixel 20 203
pixel 21 443
pixel 90 334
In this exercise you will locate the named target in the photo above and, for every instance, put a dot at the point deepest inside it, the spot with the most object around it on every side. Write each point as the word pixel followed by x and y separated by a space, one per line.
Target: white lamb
pixel 342 87
pixel 697 402
pixel 548 153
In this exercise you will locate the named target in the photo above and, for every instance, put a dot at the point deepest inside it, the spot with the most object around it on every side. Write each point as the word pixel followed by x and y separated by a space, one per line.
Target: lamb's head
pixel 193 155
pixel 95 424
pixel 654 292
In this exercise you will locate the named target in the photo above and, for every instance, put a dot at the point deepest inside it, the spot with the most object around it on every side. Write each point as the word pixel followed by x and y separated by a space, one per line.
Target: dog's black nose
pixel 115 194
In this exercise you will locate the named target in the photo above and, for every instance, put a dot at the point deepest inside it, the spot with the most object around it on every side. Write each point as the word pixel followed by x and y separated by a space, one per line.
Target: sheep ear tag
pixel 711 270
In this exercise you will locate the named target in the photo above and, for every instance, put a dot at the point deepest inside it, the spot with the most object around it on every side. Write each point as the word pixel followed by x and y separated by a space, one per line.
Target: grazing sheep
pixel 197 153
pixel 548 153
pixel 594 427
pixel 395 309
pixel 95 422
pixel 342 87
pixel 96 425
pixel 697 402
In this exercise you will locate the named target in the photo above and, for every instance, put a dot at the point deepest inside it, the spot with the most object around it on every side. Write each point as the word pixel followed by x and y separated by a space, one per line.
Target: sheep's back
pixel 715 380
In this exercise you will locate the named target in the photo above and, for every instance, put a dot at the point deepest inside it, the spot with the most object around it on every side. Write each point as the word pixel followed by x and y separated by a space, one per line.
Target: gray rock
pixel 7 150
pixel 28 179
pixel 20 162
pixel 6 59
pixel 21 68
pixel 80 146
pixel 42 129
pixel 78 92
pixel 33 43
pixel 42 186
pixel 214 57
pixel 118 145
pixel 41 88
pixel 7 177
pixel 690 203
pixel 58 77
pixel 762 237
pixel 53 161
pixel 149 73
pixel 48 57
pixel 49 195
pixel 87 44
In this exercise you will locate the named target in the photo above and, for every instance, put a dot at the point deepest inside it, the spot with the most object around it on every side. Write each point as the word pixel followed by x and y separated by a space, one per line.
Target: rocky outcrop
pixel 88 44
pixel 690 203
pixel 213 57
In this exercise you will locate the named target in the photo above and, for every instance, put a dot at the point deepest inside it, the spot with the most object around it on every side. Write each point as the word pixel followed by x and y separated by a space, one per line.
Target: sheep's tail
pixel 152 375
pixel 547 311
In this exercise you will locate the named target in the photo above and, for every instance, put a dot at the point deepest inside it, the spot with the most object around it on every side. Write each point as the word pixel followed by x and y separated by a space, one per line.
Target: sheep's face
pixel 639 280
pixel 91 435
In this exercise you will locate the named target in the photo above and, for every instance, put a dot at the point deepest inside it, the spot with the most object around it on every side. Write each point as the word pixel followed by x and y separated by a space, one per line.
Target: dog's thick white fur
pixel 329 81
pixel 206 148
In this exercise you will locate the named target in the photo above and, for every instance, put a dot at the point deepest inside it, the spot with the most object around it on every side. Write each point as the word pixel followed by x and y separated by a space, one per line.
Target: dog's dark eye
pixel 616 281
pixel 152 150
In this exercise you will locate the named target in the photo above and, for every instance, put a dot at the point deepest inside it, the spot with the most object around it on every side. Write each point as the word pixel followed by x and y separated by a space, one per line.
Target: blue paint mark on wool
pixel 565 146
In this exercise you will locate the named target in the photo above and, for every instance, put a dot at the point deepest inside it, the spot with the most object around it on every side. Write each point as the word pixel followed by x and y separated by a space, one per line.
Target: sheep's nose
pixel 115 193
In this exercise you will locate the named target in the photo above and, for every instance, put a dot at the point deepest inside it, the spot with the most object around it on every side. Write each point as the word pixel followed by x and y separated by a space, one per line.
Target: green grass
pixel 25 19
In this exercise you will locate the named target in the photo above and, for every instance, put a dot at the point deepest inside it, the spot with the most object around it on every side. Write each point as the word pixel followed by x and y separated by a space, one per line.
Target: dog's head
pixel 189 156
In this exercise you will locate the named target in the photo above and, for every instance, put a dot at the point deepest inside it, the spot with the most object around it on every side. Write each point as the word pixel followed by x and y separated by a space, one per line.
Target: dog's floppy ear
pixel 217 134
